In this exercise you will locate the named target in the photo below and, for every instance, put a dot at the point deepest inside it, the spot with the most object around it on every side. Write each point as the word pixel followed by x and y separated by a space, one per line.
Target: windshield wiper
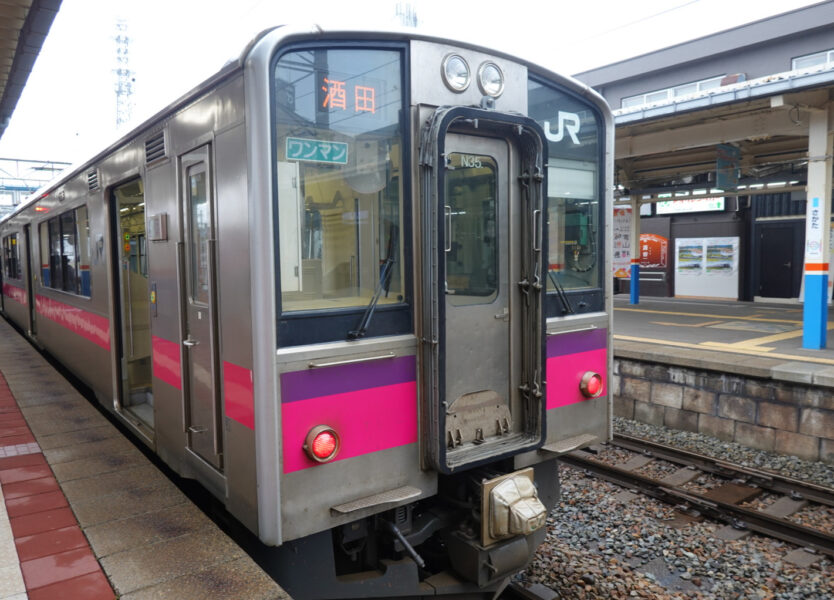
pixel 560 292
pixel 383 285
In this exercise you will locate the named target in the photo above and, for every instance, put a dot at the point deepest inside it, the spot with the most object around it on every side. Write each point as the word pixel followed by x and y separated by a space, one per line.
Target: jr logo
pixel 567 122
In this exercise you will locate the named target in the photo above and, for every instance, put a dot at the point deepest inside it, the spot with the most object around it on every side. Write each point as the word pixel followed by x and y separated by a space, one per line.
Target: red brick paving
pixel 55 557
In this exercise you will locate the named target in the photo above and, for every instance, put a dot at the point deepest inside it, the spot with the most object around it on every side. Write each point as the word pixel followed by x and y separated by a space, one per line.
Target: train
pixel 357 285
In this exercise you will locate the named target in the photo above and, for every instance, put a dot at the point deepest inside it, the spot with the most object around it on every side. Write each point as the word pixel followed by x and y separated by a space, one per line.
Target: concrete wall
pixel 781 417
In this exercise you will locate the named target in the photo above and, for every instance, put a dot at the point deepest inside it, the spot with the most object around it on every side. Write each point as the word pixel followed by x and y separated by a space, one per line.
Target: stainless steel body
pixel 196 323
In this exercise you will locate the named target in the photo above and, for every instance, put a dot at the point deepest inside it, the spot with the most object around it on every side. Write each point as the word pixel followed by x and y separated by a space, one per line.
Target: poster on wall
pixel 690 256
pixel 720 258
pixel 653 248
pixel 622 242
pixel 707 267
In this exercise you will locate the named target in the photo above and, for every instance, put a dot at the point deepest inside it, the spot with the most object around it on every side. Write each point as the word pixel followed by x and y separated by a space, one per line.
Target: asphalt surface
pixel 754 338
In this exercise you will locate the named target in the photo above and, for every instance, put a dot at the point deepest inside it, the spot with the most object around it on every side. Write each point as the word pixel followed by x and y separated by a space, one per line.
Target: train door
pixel 199 288
pixel 485 372
pixel 30 281
pixel 127 209
pixel 477 298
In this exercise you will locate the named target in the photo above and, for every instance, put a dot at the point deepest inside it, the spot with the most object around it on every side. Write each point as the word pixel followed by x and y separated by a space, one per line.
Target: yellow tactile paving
pixel 709 316
pixel 669 324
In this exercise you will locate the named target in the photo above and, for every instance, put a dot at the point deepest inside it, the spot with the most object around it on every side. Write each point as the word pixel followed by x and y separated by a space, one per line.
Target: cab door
pixel 481 326
pixel 199 286
pixel 483 271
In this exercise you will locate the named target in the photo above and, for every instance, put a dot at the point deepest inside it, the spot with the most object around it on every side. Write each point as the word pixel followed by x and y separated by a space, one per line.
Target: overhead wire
pixel 642 19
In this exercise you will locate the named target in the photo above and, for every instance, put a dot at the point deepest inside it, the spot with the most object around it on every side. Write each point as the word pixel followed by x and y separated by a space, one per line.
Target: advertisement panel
pixel 707 267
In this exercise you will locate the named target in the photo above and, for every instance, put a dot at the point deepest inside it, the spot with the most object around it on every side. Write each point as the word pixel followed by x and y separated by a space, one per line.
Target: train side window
pixel 11 257
pixel 46 271
pixel 65 252
pixel 55 261
pixel 69 260
pixel 84 255
pixel 339 142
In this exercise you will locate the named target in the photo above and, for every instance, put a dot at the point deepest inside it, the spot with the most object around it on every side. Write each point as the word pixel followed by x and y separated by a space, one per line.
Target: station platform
pixel 736 371
pixel 86 515
pixel 754 339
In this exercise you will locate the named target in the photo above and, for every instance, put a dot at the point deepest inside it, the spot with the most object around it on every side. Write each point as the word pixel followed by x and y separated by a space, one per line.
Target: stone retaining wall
pixel 782 417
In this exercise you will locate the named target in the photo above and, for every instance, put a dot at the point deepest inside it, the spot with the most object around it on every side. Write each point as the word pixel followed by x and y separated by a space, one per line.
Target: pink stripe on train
pixel 239 394
pixel 86 324
pixel 166 361
pixel 15 293
pixel 367 420
pixel 565 372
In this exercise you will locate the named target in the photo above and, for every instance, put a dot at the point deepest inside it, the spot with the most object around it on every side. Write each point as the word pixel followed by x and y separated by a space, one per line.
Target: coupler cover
pixel 510 506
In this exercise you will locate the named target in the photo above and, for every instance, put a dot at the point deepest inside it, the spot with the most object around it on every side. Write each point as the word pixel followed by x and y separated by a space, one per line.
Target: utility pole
pixel 406 15
pixel 124 76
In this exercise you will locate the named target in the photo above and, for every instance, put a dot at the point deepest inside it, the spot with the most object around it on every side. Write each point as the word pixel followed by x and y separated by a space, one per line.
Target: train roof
pixel 288 33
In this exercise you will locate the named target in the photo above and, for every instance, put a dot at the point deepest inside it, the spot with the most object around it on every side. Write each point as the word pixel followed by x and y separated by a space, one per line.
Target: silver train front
pixel 207 275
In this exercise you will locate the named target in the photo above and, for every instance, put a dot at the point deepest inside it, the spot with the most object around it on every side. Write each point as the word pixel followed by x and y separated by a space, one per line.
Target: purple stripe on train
pixel 312 383
pixel 576 341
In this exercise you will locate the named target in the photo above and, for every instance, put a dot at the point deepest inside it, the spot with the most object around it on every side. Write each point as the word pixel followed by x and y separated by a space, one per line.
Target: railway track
pixel 537 591
pixel 724 501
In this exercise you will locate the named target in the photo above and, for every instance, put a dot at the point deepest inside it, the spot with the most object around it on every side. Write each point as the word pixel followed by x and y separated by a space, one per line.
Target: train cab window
pixel 65 252
pixel 339 138
pixel 573 225
pixel 11 257
pixel 575 222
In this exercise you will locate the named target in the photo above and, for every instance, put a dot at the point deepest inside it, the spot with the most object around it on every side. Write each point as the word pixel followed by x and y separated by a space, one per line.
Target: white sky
pixel 67 110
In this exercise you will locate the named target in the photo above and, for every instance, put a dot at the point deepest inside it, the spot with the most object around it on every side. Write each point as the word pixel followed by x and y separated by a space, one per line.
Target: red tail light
pixel 322 443
pixel 591 384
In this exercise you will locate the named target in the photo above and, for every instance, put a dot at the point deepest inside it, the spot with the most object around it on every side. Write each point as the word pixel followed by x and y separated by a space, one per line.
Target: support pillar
pixel 818 228
pixel 634 286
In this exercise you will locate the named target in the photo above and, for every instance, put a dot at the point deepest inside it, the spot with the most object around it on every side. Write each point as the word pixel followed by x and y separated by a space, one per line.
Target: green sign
pixel 334 153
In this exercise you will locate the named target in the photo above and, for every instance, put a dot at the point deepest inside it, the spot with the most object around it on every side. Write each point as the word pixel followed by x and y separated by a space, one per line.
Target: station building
pixel 720 143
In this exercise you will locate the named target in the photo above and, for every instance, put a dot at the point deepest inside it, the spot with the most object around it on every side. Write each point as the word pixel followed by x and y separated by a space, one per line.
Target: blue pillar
pixel 635 283
pixel 818 226
pixel 634 243
pixel 815 310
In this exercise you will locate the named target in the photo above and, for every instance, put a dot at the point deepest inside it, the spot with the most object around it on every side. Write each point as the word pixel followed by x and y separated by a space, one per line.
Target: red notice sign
pixel 654 251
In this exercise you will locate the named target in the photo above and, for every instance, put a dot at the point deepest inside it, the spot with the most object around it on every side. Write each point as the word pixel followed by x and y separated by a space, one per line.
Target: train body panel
pixel 16 303
pixel 361 305
pixel 369 393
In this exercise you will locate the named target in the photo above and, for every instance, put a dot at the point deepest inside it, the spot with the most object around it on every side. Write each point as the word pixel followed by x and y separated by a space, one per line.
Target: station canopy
pixel 672 146
pixel 23 28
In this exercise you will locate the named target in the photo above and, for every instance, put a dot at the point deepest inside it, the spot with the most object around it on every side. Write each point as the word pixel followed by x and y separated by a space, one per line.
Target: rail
pixel 737 516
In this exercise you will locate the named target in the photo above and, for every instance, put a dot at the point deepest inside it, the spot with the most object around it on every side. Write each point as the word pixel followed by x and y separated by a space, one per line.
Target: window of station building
pixel 809 61
pixel 671 93
pixel 65 252
pixel 11 257
pixel 339 138
pixel 575 221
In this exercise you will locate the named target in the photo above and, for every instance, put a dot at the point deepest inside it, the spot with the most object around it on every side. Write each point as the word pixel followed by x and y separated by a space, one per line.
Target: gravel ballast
pixel 605 542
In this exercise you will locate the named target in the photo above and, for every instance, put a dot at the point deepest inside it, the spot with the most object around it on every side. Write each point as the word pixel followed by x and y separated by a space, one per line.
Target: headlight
pixel 456 74
pixel 491 79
